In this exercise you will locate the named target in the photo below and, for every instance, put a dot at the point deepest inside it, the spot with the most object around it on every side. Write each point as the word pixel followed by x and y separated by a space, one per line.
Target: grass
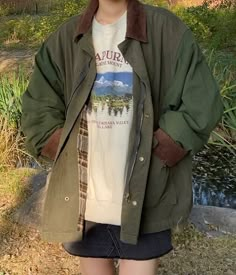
pixel 13 182
pixel 10 146
pixel 195 254
pixel 14 190
pixel 12 151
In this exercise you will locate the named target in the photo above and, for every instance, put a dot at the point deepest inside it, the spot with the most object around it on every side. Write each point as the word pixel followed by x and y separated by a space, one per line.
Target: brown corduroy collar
pixel 136 20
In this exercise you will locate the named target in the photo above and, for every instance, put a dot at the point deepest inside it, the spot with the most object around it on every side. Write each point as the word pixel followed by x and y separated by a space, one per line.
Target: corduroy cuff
pixel 50 148
pixel 169 151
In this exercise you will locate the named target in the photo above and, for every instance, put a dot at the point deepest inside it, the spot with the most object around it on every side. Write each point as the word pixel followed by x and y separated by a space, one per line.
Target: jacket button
pixel 67 198
pixel 141 159
pixel 134 203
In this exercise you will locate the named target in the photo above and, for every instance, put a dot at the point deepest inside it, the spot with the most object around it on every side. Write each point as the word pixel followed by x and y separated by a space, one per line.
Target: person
pixel 120 99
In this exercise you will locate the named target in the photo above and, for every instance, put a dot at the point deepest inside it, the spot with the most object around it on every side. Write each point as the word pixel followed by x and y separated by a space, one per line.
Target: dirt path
pixel 11 60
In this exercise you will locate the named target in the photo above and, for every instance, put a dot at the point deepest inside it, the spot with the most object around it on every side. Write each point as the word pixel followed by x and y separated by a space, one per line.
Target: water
pixel 214 178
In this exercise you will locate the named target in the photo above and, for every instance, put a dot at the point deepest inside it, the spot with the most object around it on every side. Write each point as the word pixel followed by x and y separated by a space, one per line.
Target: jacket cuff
pixel 50 148
pixel 169 151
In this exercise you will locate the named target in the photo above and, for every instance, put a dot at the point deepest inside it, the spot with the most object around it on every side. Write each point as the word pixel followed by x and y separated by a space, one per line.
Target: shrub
pixel 4 10
pixel 33 30
pixel 195 18
pixel 214 27
pixel 223 28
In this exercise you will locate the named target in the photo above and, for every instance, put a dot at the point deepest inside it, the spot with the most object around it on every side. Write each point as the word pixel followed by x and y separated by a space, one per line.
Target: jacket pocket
pixel 159 188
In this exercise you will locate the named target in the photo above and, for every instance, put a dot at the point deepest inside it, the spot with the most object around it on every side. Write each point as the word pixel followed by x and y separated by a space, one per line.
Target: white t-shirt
pixel 109 116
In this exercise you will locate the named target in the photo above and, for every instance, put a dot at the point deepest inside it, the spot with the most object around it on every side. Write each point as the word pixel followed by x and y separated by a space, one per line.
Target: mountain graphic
pixel 106 87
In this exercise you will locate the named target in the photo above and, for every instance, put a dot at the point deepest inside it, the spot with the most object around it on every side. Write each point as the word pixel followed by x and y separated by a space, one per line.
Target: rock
pixel 230 272
pixel 207 218
pixel 30 212
pixel 38 181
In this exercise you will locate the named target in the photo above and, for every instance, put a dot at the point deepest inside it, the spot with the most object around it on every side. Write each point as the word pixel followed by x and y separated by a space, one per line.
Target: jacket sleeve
pixel 43 107
pixel 192 105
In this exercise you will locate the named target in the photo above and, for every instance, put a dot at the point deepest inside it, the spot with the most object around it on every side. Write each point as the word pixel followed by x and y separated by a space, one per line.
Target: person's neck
pixel 110 11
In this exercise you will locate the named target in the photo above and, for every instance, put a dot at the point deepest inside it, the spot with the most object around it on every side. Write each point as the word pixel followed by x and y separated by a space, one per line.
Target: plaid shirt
pixel 82 147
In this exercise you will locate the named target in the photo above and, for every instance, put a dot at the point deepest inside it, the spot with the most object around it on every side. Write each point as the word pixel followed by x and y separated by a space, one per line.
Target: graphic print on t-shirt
pixel 111 99
pixel 112 58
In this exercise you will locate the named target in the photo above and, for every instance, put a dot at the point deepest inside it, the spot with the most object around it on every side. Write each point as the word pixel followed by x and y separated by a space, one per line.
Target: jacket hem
pixel 128 238
pixel 58 237
pixel 164 225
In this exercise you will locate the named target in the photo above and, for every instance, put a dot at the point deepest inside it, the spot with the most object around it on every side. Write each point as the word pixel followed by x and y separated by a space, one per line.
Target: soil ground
pixel 11 60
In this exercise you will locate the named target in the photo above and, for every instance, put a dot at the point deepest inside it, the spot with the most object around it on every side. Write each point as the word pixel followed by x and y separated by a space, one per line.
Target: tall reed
pixel 11 144
pixel 11 89
pixel 224 70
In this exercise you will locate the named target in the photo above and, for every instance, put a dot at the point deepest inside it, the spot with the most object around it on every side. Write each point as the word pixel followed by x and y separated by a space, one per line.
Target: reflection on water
pixel 214 178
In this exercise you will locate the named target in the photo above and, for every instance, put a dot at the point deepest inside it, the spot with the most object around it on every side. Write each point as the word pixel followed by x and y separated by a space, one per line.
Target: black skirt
pixel 103 241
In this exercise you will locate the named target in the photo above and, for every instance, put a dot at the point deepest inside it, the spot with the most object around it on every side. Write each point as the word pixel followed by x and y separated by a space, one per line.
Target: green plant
pixel 11 88
pixel 33 30
pixel 213 27
pixel 4 10
pixel 223 67
pixel 195 18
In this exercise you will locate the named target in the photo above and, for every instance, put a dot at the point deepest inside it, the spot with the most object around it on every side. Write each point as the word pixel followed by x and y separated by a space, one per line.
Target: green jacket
pixel 176 106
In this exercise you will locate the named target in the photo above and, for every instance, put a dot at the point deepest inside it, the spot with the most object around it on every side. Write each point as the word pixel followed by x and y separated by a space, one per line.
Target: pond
pixel 214 177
